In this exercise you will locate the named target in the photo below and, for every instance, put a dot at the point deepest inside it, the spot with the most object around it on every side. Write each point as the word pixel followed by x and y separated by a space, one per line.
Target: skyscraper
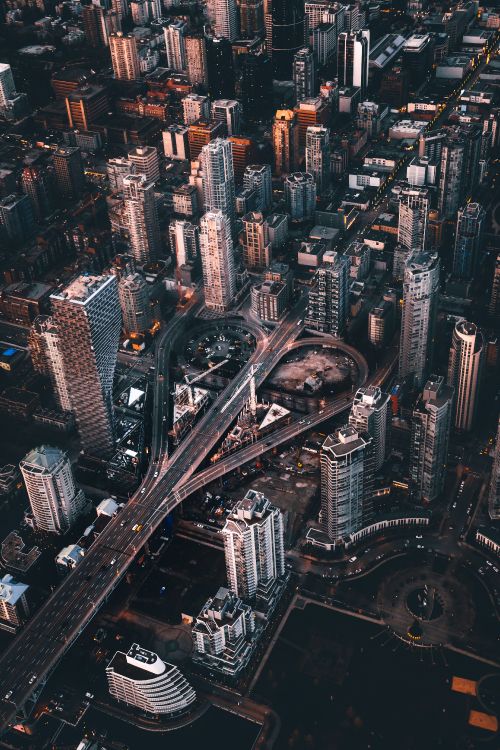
pixel 7 85
pixel 256 245
pixel 88 319
pixel 47 357
pixel 17 223
pixel 140 678
pixel 494 306
pixel 318 156
pixel 300 196
pixel 287 35
pixel 135 304
pixel 220 68
pixel 142 217
pixel 196 58
pixel 304 74
pixel 217 261
pixel 465 366
pixel 251 18
pixel 124 56
pixel 353 54
pixel 184 240
pixel 174 32
pixel 224 18
pixel 468 241
pixel 346 482
pixel 218 178
pixel 328 302
pixel 68 166
pixel 256 88
pixel 195 107
pixel 420 298
pixel 55 501
pixel 285 142
pixel 460 152
pixel 258 177
pixel 430 433
pixel 145 162
pixel 494 496
pixel 371 413
pixel 254 546
pixel 227 111
pixel 413 211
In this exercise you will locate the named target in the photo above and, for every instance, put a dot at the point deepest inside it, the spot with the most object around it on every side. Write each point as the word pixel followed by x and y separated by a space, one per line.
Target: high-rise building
pixel 256 88
pixel 324 43
pixel 494 306
pixel 200 134
pixel 124 56
pixel 184 240
pixel 346 482
pixel 286 23
pixel 381 322
pixel 318 156
pixel 141 217
pixel 494 495
pixel 140 678
pixel 55 501
pixel 254 546
pixel 218 178
pixel 7 86
pixel 85 105
pixel 146 162
pixel 304 74
pixel 412 223
pixel 14 608
pixel 328 303
pixel 88 319
pixel 256 245
pixel 68 166
pixel 300 196
pixel 135 303
pixel 17 222
pixel 418 57
pixel 224 633
pixel 194 108
pixel 420 298
pixel 228 112
pixel 430 431
pixel 353 54
pixel 196 58
pixel 224 18
pixel 460 151
pixel 251 18
pixel 465 365
pixel 220 68
pixel 258 177
pixel 468 240
pixel 285 142
pixel 174 32
pixel 310 113
pixel 176 142
pixel 47 358
pixel 217 261
pixel 94 25
pixel 371 413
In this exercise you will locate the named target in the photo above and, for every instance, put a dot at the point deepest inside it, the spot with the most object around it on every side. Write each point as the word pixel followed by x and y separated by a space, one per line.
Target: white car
pixel 32 679
pixel 7 695
pixel 113 561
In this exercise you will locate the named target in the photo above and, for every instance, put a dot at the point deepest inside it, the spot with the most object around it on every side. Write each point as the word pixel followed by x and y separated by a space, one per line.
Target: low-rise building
pixel 14 609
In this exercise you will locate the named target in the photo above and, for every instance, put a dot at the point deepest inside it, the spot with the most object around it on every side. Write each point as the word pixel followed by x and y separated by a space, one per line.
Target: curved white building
pixel 464 371
pixel 140 678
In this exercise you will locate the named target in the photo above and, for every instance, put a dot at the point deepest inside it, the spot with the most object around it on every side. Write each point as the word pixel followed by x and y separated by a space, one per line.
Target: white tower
pixel 217 261
pixel 142 217
pixel 420 298
pixel 254 546
pixel 464 372
pixel 370 413
pixel 55 501
pixel 413 211
pixel 218 178
pixel 174 32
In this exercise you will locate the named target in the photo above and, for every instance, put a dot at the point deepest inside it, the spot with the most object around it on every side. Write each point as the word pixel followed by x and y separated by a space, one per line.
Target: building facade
pixel 465 366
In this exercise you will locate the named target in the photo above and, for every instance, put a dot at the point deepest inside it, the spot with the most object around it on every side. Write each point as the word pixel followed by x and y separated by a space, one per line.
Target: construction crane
pixel 195 378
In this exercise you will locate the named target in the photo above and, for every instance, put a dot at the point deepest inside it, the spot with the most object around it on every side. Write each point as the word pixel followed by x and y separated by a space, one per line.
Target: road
pixel 43 641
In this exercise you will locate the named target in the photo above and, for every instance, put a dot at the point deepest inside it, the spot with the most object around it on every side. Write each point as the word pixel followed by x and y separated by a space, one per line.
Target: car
pixel 155 474
pixel 143 491
pixel 123 523
pixel 113 561
pixel 420 546
pixel 32 678
pixel 138 527
pixel 7 695
pixel 353 559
